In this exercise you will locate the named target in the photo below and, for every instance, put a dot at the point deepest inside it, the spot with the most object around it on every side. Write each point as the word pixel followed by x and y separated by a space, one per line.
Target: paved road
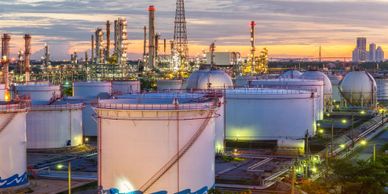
pixel 367 152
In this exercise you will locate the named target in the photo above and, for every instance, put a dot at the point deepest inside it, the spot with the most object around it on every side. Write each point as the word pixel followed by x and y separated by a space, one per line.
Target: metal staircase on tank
pixel 179 155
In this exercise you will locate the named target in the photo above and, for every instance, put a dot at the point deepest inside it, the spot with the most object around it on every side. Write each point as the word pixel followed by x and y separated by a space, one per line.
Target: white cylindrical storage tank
pixel 89 124
pixel 359 89
pixel 13 153
pixel 125 87
pixel 175 139
pixel 191 97
pixel 382 89
pixel 327 87
pixel 164 84
pixel 39 92
pixel 269 114
pixel 296 84
pixel 54 126
pixel 91 89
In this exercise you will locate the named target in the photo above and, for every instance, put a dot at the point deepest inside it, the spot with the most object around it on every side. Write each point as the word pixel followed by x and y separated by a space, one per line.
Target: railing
pixel 19 107
pixel 188 106
pixel 57 107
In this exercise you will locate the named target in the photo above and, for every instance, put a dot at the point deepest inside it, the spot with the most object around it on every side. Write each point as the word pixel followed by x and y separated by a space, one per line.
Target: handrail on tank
pixel 58 107
pixel 187 106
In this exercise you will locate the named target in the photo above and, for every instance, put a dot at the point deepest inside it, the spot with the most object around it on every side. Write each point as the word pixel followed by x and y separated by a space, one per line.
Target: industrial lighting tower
pixel 180 32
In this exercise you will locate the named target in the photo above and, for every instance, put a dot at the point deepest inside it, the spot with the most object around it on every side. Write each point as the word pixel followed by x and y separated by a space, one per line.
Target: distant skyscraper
pixel 360 53
pixel 372 52
pixel 361 43
pixel 380 55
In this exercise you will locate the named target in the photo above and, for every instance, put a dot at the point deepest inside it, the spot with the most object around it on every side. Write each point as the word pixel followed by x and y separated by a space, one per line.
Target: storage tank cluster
pixel 50 123
pixel 359 89
pixel 173 134
pixel 13 153
pixel 89 92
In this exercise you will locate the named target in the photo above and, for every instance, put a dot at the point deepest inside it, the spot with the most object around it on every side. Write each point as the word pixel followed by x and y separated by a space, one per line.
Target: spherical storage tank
pixel 358 88
pixel 165 84
pixel 87 90
pixel 291 74
pixel 269 114
pixel 57 125
pixel 39 92
pixel 13 155
pixel 209 79
pixel 125 87
pixel 327 87
pixel 315 86
pixel 168 143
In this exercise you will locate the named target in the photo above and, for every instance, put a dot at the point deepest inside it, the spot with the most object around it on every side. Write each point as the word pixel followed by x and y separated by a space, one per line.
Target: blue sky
pixel 286 27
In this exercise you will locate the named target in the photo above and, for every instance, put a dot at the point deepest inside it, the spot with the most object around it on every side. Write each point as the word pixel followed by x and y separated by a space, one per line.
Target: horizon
pixel 287 29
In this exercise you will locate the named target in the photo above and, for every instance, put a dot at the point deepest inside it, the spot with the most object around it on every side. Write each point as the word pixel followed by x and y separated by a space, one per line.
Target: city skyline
pixel 287 28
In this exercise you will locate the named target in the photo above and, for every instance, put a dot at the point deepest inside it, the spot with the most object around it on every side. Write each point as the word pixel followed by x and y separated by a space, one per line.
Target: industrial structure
pixel 99 34
pixel 176 166
pixel 180 46
pixel 151 37
pixel 27 54
pixel 121 41
pixel 5 59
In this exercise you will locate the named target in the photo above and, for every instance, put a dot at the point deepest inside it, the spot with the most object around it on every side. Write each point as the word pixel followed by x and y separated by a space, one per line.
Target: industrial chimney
pixel 253 47
pixel 5 58
pixel 151 36
pixel 107 39
pixel 92 59
pixel 27 54
pixel 145 44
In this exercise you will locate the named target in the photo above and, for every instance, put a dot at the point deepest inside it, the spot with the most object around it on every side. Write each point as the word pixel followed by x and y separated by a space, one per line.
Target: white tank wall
pixel 297 84
pixel 125 87
pixel 154 143
pixel 54 128
pixel 39 92
pixel 2 92
pixel 13 169
pixel 220 127
pixel 169 84
pixel 88 120
pixel 382 89
pixel 91 89
pixel 264 115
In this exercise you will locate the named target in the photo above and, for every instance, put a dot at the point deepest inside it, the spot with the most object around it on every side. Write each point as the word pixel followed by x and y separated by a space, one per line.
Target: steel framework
pixel 180 31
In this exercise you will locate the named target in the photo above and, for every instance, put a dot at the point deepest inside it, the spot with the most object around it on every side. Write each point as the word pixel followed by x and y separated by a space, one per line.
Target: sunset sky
pixel 288 28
